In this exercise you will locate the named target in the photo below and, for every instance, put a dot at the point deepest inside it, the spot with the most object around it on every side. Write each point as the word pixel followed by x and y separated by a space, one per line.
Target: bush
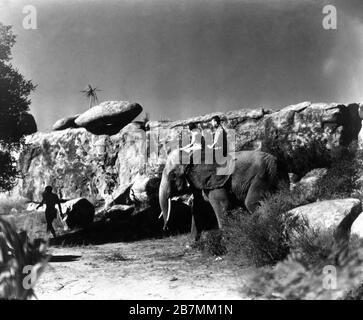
pixel 212 243
pixel 311 246
pixel 262 238
pixel 293 278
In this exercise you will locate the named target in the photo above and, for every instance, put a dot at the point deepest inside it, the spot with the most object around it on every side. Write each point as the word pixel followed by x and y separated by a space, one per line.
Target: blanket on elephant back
pixel 210 176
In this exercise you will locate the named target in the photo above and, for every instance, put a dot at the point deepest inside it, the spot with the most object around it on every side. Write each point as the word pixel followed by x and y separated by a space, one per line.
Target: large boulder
pixel 336 214
pixel 65 123
pixel 79 213
pixel 109 117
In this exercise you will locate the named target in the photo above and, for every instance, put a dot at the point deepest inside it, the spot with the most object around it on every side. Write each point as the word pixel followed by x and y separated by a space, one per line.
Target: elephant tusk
pixel 161 215
pixel 169 208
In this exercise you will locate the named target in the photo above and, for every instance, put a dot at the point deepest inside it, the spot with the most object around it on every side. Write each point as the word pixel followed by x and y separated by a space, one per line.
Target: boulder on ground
pixel 65 123
pixel 109 117
pixel 338 214
pixel 79 213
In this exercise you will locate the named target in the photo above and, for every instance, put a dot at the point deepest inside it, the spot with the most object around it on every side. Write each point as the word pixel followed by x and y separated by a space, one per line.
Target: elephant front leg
pixel 218 199
pixel 196 227
pixel 194 233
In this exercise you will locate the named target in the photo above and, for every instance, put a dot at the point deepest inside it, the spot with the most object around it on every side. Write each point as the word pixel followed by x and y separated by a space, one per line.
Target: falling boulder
pixel 65 123
pixel 109 117
pixel 79 213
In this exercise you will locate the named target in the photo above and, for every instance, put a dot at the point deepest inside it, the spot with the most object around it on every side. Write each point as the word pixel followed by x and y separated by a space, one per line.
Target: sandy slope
pixel 146 269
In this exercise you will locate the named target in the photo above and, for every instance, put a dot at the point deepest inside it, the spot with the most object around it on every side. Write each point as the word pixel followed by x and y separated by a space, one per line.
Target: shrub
pixel 315 269
pixel 294 279
pixel 311 246
pixel 261 238
pixel 212 243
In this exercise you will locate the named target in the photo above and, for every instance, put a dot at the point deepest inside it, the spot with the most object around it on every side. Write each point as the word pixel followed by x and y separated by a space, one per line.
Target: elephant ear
pixel 204 176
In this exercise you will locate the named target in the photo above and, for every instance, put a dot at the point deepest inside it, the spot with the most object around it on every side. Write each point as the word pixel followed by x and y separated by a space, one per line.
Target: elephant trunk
pixel 164 200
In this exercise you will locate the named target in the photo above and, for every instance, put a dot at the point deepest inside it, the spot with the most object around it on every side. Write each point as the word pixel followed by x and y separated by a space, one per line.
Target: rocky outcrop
pixel 338 214
pixel 80 164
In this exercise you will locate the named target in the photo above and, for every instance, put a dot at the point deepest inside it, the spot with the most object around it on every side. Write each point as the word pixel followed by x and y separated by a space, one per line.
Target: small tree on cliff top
pixel 91 94
pixel 14 101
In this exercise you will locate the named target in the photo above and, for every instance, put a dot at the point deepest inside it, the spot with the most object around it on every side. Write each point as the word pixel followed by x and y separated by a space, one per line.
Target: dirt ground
pixel 145 269
pixel 107 261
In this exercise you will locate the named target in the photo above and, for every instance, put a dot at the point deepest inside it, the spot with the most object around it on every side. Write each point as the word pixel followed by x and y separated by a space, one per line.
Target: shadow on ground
pixel 64 258
pixel 143 225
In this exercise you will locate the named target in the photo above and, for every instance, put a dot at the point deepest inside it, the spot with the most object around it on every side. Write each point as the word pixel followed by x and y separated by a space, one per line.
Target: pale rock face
pixel 138 189
pixel 78 163
pixel 339 214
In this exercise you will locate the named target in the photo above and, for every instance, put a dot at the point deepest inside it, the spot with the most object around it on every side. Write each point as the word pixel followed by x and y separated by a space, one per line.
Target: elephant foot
pixel 166 232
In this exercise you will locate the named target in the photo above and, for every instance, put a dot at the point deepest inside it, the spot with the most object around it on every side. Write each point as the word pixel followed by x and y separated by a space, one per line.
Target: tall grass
pixel 11 201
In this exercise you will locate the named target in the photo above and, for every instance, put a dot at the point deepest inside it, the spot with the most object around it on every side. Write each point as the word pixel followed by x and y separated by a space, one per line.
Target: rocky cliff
pixel 80 164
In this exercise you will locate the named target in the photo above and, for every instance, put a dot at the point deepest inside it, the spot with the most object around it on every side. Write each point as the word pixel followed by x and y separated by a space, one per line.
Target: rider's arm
pixel 215 140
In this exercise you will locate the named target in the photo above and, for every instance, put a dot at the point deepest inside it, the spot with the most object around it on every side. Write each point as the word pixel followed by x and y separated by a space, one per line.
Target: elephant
pixel 255 173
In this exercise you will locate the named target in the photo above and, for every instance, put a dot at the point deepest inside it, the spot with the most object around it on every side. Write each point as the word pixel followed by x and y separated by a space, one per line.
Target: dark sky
pixel 181 58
